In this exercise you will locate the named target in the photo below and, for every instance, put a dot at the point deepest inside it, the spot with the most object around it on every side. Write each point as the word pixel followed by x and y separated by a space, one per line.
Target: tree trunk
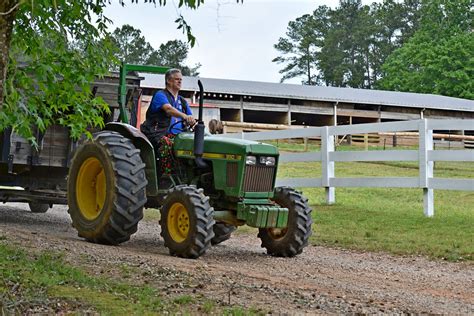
pixel 8 9
pixel 309 66
pixel 367 67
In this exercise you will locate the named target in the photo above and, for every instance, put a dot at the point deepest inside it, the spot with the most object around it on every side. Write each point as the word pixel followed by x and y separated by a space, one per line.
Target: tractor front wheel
pixel 186 222
pixel 289 241
pixel 106 189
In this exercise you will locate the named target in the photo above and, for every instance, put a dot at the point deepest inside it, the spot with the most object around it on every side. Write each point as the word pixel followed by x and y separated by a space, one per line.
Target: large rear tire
pixel 222 232
pixel 186 222
pixel 289 241
pixel 106 189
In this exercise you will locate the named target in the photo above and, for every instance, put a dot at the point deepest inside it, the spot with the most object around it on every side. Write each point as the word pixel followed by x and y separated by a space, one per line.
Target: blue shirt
pixel 161 99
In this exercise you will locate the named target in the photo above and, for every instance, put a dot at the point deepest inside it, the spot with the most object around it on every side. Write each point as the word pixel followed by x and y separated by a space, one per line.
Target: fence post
pixel 426 167
pixel 327 146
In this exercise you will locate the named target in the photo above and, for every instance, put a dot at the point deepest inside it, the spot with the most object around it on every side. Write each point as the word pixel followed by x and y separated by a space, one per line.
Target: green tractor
pixel 220 183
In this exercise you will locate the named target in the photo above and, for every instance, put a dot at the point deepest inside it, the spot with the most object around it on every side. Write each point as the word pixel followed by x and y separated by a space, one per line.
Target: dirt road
pixel 321 280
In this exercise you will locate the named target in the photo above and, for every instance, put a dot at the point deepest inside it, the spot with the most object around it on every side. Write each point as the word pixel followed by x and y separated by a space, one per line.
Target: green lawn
pixel 390 219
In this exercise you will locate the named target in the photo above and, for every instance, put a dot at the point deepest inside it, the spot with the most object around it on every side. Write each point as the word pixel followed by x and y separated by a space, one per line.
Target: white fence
pixel 425 155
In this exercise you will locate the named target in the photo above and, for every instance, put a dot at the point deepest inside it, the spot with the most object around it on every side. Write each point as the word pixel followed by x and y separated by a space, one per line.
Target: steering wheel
pixel 185 128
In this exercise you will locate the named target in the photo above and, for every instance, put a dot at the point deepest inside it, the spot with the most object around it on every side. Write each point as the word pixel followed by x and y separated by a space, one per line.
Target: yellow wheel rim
pixel 277 233
pixel 178 222
pixel 91 188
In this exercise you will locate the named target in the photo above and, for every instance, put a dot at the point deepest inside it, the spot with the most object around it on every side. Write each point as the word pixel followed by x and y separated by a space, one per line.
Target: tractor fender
pixel 147 152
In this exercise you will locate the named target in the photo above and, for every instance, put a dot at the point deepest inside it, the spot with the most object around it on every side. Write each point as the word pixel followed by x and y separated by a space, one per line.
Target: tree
pixel 44 80
pixel 301 46
pixel 409 19
pixel 344 52
pixel 393 24
pixel 173 54
pixel 133 48
pixel 47 80
pixel 346 46
pixel 439 58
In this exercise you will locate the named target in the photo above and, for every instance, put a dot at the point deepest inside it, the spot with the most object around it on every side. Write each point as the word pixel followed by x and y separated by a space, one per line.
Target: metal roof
pixel 316 93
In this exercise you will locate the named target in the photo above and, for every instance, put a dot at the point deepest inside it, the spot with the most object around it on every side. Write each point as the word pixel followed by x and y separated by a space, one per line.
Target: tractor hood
pixel 184 143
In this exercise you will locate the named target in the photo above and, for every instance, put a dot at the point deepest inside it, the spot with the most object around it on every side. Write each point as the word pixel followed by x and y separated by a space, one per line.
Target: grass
pixel 390 220
pixel 151 215
pixel 32 282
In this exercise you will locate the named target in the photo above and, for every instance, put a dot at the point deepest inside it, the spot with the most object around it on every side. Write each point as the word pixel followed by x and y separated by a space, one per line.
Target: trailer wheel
pixel 289 241
pixel 38 207
pixel 186 222
pixel 222 232
pixel 106 189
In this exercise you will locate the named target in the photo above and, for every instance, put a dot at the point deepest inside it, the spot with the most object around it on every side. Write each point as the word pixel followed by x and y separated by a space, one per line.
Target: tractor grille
pixel 259 178
pixel 232 169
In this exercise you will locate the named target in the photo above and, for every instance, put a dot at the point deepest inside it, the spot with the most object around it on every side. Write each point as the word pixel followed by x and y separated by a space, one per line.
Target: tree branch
pixel 12 9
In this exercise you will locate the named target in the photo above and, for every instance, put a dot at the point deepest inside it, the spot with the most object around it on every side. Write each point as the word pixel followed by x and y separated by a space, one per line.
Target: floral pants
pixel 166 154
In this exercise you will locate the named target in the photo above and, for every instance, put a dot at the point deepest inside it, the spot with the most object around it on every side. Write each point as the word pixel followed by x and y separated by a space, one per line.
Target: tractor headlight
pixel 267 161
pixel 271 161
pixel 251 160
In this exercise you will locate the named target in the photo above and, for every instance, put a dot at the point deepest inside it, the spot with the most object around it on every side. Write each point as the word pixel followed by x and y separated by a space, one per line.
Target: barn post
pixel 241 110
pixel 289 112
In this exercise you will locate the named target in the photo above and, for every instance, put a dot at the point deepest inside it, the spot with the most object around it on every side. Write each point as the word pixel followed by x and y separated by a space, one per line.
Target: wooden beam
pixel 260 125
pixel 437 136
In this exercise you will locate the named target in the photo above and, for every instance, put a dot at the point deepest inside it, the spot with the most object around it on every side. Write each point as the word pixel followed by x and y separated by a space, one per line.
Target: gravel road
pixel 321 280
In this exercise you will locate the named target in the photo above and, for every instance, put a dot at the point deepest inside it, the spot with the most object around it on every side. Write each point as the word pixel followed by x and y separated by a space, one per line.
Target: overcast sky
pixel 234 41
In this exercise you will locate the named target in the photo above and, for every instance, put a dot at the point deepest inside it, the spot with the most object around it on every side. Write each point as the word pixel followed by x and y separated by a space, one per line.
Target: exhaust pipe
pixel 199 132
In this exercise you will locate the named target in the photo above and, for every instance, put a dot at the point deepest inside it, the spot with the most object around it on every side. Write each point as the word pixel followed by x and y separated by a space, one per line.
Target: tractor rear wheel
pixel 38 207
pixel 186 222
pixel 106 189
pixel 289 241
pixel 222 232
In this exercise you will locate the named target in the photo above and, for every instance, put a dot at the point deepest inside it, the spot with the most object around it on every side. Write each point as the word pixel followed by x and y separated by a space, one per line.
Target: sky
pixel 234 41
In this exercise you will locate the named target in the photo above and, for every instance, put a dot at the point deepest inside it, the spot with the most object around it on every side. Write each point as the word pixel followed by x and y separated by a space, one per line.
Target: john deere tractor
pixel 219 184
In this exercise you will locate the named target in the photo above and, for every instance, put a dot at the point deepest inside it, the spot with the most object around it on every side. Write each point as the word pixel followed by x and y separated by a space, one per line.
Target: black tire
pixel 186 222
pixel 38 207
pixel 222 232
pixel 106 189
pixel 290 241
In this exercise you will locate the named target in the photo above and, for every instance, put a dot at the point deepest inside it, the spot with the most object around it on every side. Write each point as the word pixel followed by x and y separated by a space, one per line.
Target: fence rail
pixel 425 155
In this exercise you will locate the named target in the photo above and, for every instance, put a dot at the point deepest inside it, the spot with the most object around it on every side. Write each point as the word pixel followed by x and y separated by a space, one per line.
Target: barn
pixel 290 104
